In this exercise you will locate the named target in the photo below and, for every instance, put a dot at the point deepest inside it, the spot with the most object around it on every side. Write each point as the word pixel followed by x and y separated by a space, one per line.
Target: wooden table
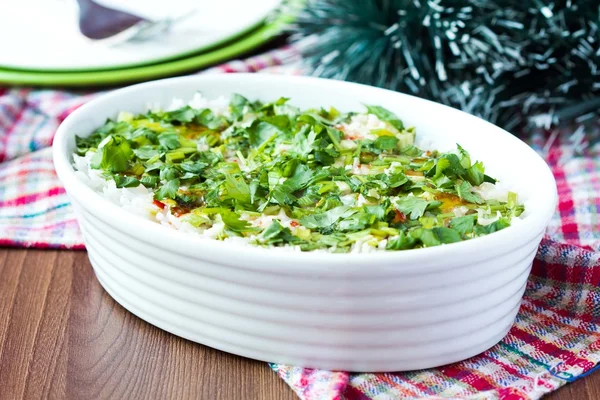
pixel 62 336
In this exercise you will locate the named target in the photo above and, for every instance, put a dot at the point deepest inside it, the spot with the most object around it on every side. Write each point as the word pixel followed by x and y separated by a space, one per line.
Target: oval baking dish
pixel 382 311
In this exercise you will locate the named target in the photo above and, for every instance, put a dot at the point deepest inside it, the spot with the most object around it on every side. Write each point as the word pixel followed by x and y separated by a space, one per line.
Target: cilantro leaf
pixel 272 230
pixel 83 144
pixel 377 211
pixel 150 181
pixel 493 227
pixel 183 114
pixel 395 179
pixel 283 192
pixel 168 173
pixel 325 219
pixel 356 220
pixel 425 236
pixel 123 181
pixel 211 120
pixel 446 235
pixel 168 190
pixel 435 236
pixel 169 140
pixel 236 188
pixel 463 190
pixel 282 122
pixel 289 168
pixel 465 158
pixel 489 179
pixel 304 140
pixel 326 156
pixel 193 167
pixel 233 222
pixel 237 104
pixel 412 206
pixel 386 115
pixel 450 166
pixel 261 132
pixel 476 174
pixel 113 154
pixel 432 205
pixel 386 142
pixel 277 233
pixel 146 152
pixel 464 224
pixel 197 219
pixel 401 242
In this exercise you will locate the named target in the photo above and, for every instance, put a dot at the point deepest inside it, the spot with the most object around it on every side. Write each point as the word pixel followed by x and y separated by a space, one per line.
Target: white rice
pixel 139 200
pixel 361 125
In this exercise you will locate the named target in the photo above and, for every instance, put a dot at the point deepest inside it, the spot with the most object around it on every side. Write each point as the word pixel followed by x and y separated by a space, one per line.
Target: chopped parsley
pixel 283 176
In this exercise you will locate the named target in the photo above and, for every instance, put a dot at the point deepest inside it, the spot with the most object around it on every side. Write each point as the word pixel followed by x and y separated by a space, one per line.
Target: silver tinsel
pixel 514 63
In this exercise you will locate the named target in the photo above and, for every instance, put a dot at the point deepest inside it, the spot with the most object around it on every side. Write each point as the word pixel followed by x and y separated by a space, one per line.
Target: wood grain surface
pixel 63 337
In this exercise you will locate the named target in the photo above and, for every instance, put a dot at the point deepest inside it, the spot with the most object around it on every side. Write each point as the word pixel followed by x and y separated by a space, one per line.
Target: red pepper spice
pixel 400 217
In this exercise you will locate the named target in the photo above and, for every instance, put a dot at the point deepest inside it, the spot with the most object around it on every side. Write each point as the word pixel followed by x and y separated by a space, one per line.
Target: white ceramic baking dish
pixel 386 311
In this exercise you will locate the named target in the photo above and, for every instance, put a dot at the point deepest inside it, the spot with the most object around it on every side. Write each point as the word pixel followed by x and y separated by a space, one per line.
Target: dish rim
pixel 182 243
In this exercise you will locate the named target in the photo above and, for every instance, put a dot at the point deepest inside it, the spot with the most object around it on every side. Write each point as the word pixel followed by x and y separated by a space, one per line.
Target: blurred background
pixel 108 42
pixel 521 65
pixel 530 67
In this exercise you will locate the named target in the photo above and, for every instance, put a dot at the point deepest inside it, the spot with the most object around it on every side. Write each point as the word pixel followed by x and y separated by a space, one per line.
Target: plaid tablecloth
pixel 555 339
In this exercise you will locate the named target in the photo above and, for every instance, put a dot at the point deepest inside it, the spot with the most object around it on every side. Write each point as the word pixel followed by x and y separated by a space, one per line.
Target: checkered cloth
pixel 555 339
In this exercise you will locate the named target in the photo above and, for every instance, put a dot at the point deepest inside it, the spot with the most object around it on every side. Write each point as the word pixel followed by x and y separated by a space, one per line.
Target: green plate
pixel 148 72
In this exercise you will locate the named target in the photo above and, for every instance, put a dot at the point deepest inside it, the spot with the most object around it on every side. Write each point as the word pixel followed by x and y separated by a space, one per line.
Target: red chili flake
pixel 399 217
pixel 159 204
pixel 294 223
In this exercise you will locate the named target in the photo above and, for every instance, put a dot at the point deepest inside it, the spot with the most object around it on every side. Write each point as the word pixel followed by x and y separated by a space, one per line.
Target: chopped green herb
pixel 464 224
pixel 412 206
pixel 278 175
pixel 387 116
pixel 464 191
pixel 114 154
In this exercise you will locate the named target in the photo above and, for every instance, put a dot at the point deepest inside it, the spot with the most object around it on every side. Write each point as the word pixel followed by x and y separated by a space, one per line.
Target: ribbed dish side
pixel 302 327
pixel 394 358
pixel 400 334
pixel 311 282
pixel 182 283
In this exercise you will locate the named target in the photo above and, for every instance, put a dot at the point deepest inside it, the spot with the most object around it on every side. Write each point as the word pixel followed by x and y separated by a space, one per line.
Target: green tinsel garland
pixel 512 62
